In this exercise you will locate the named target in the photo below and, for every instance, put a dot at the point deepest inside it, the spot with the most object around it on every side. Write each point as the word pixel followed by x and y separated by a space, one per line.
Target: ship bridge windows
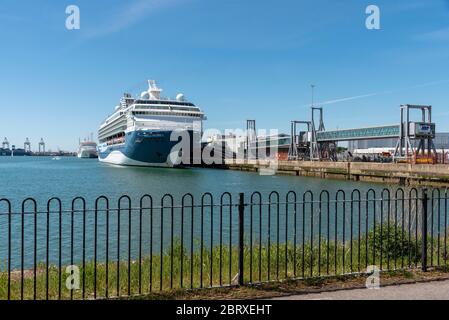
pixel 185 109
pixel 155 113
pixel 153 107
pixel 162 102
pixel 168 108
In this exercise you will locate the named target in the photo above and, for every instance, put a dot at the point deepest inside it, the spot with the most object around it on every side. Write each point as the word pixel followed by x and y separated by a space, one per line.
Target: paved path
pixel 436 290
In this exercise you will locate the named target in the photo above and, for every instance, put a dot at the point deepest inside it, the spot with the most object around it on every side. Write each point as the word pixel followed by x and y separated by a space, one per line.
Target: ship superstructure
pixel 139 132
pixel 87 149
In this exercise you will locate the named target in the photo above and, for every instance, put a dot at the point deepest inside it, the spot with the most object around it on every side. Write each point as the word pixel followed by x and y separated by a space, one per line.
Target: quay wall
pixel 392 173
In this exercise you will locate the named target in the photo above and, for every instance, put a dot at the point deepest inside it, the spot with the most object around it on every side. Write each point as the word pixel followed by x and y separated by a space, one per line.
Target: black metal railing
pixel 76 251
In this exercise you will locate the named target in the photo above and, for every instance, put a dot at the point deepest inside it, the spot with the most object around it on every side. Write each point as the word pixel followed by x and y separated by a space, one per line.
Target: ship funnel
pixel 153 90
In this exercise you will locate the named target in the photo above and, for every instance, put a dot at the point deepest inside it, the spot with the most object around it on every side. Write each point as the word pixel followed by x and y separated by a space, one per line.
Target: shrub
pixel 393 242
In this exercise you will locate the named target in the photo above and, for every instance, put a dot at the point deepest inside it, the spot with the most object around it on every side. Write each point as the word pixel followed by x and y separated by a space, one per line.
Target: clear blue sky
pixel 237 59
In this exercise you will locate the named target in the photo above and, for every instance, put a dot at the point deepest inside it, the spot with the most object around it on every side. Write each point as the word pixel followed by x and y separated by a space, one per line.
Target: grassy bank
pixel 219 266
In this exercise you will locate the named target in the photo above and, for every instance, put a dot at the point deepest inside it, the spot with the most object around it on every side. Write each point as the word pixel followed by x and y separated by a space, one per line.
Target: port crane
pixel 27 145
pixel 42 146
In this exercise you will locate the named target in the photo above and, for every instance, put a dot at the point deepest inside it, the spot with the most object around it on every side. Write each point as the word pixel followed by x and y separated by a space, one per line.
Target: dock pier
pixel 404 174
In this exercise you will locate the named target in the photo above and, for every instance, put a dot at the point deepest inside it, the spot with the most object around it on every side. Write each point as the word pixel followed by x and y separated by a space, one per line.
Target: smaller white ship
pixel 87 149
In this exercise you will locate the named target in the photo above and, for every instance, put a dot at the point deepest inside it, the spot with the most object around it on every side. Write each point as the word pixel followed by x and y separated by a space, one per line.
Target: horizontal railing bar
pixel 202 206
pixel 113 209
pixel 65 211
pixel 324 202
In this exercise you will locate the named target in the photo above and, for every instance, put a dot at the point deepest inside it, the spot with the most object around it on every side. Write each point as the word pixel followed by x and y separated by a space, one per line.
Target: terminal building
pixel 409 141
pixel 277 146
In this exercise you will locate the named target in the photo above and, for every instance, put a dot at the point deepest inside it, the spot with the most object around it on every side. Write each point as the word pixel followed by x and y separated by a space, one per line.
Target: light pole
pixel 313 93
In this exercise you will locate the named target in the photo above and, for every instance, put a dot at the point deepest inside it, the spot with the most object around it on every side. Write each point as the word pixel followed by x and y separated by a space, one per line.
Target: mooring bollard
pixel 241 236
pixel 425 201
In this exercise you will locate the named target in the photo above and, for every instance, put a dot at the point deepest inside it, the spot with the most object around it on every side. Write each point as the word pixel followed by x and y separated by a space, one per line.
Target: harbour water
pixel 43 178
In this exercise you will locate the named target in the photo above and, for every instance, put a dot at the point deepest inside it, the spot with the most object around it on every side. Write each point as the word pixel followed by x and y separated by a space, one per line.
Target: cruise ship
pixel 139 132
pixel 87 149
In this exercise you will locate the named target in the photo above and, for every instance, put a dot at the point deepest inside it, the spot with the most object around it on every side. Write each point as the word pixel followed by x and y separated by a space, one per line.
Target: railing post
pixel 241 236
pixel 425 201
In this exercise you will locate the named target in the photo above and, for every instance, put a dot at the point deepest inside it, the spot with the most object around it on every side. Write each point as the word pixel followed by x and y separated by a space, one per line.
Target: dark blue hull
pixel 16 152
pixel 142 148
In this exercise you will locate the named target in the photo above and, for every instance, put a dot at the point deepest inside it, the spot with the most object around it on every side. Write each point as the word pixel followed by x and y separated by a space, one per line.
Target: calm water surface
pixel 43 178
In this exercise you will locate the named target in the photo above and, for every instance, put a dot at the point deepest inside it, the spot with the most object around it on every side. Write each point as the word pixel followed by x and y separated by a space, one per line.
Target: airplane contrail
pixel 334 101
pixel 348 99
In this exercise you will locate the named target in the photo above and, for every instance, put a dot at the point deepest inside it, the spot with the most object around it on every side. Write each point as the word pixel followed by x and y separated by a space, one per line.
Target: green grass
pixel 279 263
